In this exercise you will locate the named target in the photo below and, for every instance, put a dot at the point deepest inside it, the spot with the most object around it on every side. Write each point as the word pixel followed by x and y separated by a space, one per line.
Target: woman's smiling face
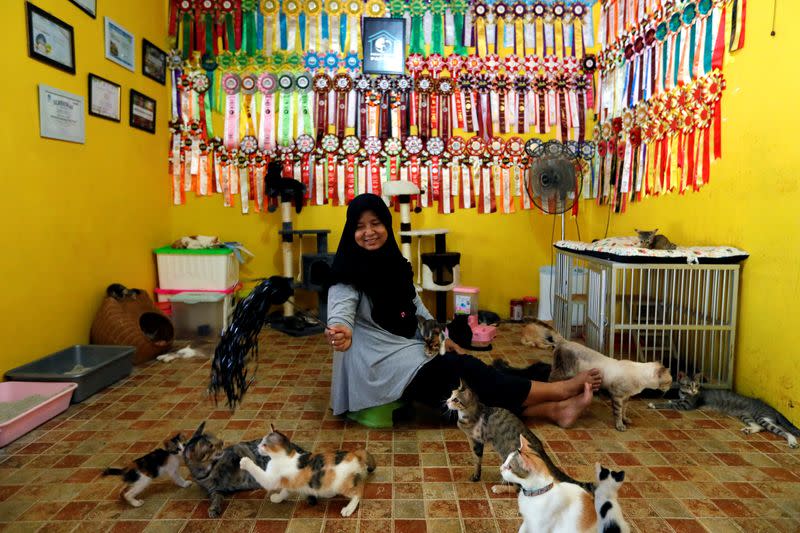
pixel 371 234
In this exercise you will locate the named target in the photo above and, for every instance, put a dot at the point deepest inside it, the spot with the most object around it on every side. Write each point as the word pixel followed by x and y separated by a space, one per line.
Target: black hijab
pixel 384 274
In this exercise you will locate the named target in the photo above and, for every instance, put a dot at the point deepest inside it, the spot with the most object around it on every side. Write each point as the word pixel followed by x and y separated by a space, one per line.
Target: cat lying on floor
pixel 757 415
pixel 621 378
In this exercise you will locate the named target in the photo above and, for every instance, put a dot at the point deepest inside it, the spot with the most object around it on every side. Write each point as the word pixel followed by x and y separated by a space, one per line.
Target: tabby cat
pixel 754 413
pixel 142 471
pixel 609 513
pixel 621 378
pixel 499 427
pixel 432 335
pixel 323 475
pixel 652 241
pixel 545 503
pixel 215 467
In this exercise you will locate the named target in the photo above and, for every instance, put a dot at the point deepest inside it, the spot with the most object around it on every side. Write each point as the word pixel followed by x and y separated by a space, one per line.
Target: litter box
pixel 56 401
pixel 92 366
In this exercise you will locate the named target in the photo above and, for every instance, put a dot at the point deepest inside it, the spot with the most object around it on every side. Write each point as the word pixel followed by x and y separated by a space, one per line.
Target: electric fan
pixel 553 180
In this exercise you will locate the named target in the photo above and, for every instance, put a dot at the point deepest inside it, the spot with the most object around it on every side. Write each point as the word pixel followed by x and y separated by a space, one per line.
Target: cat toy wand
pixel 239 343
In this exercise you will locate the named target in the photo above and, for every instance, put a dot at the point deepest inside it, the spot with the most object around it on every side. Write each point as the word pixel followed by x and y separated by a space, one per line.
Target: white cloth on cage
pixel 627 248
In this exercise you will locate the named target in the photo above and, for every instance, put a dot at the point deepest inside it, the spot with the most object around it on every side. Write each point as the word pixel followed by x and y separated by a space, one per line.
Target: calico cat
pixel 433 335
pixel 756 414
pixel 621 378
pixel 499 427
pixel 609 513
pixel 546 503
pixel 652 241
pixel 215 467
pixel 325 475
pixel 142 471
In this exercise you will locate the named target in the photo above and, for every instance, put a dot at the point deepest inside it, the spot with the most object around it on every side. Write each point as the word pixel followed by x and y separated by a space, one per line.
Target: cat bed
pixel 627 250
pixel 440 270
pixel 379 416
pixel 133 321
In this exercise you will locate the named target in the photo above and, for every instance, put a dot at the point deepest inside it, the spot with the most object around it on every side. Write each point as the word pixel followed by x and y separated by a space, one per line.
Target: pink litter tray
pixel 482 334
pixel 57 400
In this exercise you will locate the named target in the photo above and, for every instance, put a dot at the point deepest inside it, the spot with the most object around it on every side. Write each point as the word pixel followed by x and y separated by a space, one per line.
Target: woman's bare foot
pixel 564 412
pixel 568 411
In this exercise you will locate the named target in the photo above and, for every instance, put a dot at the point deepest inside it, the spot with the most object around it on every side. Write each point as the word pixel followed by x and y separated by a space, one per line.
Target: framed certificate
pixel 104 98
pixel 61 115
pixel 120 45
pixel 154 62
pixel 142 112
pixel 384 44
pixel 87 6
pixel 50 40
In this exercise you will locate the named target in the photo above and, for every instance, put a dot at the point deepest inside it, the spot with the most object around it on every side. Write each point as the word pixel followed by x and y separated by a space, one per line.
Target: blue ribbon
pixel 302 21
pixel 284 37
pixel 324 21
pixel 342 30
pixel 709 46
pixel 259 31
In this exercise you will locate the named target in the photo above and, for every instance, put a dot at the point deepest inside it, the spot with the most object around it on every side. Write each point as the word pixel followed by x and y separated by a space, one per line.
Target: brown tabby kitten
pixel 323 475
pixel 142 471
pixel 651 241
pixel 500 428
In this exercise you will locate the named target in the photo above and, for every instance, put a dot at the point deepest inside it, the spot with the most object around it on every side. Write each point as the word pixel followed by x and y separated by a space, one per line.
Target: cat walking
pixel 499 427
pixel 609 513
pixel 756 414
pixel 322 475
pixel 545 503
pixel 142 471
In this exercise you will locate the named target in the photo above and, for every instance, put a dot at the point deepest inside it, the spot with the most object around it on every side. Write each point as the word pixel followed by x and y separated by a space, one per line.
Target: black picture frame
pixel 85 9
pixel 90 106
pixel 154 62
pixel 38 46
pixel 137 119
pixel 384 45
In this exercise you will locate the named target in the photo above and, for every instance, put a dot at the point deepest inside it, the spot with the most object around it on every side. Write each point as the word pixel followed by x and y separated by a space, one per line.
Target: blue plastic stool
pixel 379 416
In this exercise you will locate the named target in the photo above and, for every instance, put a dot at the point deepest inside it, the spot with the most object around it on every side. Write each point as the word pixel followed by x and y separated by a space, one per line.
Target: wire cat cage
pixel 679 314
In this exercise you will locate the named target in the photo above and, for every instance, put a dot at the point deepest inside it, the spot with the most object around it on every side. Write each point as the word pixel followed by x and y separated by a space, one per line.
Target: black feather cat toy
pixel 239 343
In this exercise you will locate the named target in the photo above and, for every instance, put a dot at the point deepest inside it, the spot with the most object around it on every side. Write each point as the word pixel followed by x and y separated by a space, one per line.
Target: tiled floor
pixel 685 471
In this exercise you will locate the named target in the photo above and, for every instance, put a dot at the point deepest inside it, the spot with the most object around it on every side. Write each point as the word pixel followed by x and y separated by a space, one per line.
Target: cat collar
pixel 538 491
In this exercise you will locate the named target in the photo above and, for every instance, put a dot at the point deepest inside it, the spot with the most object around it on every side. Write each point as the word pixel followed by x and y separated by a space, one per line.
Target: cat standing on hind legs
pixel 139 474
pixel 325 475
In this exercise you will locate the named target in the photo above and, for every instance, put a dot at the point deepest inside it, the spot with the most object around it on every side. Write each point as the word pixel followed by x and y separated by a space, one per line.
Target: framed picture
pixel 88 6
pixel 61 115
pixel 120 45
pixel 384 44
pixel 142 112
pixel 50 40
pixel 154 62
pixel 104 98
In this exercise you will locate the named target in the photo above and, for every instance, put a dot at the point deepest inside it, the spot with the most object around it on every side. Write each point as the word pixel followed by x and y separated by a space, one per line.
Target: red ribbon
pixel 718 129
pixel 434 111
pixel 435 176
pixel 374 174
pixel 332 179
pixel 341 112
pixel 719 46
pixel 237 24
pixel 350 178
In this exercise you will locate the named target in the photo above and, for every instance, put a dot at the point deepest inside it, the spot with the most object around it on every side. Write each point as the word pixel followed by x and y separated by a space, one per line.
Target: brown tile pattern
pixel 686 472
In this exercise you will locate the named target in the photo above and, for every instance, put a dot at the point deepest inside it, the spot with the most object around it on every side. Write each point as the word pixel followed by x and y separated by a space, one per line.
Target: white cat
pixel 609 513
pixel 545 503
pixel 621 378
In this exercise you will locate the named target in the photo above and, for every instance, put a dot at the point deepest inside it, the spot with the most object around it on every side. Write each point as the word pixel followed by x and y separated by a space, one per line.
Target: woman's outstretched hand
pixel 340 337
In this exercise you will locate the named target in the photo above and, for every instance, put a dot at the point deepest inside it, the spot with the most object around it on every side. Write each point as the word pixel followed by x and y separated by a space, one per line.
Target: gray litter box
pixel 92 366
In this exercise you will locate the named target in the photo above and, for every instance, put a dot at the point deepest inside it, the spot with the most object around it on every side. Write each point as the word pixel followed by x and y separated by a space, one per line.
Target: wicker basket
pixel 133 321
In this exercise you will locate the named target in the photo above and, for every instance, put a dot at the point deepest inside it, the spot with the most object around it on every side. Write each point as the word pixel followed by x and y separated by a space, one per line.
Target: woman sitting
pixel 372 326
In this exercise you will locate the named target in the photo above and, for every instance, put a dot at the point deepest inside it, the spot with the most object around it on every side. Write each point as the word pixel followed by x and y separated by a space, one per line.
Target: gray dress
pixel 379 365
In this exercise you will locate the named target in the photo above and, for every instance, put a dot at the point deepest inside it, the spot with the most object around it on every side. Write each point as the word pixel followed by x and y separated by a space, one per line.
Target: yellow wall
pixel 752 203
pixel 75 217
